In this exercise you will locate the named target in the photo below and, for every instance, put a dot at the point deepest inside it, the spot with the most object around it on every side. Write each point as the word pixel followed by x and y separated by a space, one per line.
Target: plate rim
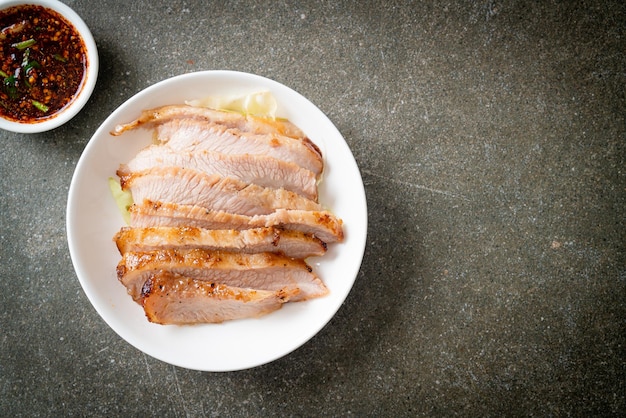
pixel 97 137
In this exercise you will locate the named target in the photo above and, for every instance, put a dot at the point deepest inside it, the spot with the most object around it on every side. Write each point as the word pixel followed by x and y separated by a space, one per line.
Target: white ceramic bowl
pixel 89 81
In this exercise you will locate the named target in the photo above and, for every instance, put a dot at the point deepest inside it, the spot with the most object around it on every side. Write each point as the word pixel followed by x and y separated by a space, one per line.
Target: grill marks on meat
pixel 293 244
pixel 189 187
pixel 225 213
pixel 173 299
pixel 321 224
pixel 261 271
pixel 253 169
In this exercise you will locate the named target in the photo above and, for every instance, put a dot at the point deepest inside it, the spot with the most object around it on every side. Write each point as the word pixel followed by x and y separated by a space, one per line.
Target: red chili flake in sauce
pixel 43 63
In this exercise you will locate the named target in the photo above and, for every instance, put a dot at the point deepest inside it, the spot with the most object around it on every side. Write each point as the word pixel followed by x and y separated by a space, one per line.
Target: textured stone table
pixel 491 140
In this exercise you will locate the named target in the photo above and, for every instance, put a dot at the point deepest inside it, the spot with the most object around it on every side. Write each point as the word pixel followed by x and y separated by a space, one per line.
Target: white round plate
pixel 93 219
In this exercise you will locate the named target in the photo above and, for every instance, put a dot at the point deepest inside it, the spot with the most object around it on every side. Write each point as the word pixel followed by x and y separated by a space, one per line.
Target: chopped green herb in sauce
pixel 25 44
pixel 42 63
pixel 40 106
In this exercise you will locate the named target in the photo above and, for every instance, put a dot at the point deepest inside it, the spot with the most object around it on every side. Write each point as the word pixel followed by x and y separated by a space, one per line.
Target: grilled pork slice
pixel 231 119
pixel 256 169
pixel 321 224
pixel 177 300
pixel 190 187
pixel 190 134
pixel 261 271
pixel 293 244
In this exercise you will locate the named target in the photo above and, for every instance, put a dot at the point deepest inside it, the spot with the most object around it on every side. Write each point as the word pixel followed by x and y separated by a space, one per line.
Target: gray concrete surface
pixel 490 136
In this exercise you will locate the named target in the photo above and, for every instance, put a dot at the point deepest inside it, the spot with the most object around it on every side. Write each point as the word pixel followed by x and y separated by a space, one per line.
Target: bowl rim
pixel 89 82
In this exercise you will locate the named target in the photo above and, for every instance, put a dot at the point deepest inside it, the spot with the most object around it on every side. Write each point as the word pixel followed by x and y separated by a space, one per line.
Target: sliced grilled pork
pixel 230 119
pixel 258 240
pixel 321 224
pixel 190 134
pixel 190 187
pixel 263 271
pixel 255 169
pixel 173 299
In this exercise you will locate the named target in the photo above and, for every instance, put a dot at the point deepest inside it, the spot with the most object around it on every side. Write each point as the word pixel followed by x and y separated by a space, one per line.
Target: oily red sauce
pixel 43 63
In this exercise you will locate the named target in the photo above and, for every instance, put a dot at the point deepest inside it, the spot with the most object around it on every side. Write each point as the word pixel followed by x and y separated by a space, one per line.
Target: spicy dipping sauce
pixel 43 62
